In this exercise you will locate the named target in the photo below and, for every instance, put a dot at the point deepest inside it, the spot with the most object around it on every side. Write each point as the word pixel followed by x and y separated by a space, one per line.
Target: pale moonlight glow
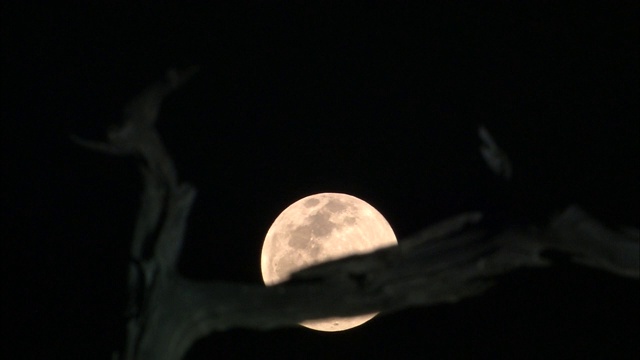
pixel 319 228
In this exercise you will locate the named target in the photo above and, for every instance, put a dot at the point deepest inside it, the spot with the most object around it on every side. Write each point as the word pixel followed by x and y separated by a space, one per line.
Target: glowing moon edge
pixel 319 228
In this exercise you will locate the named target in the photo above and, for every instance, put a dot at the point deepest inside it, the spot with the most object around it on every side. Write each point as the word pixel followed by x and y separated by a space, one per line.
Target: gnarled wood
pixel 445 262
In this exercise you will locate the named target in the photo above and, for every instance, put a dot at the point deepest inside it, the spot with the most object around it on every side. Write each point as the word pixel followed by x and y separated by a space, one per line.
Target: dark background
pixel 378 101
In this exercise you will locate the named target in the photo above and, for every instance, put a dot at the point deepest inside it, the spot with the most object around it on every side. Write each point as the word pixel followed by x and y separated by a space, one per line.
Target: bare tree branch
pixel 446 262
pixel 493 155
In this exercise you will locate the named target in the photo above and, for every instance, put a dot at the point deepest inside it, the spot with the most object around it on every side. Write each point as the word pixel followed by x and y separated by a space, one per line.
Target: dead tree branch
pixel 446 262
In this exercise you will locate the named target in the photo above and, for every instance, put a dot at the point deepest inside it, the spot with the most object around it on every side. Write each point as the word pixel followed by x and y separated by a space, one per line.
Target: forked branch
pixel 445 262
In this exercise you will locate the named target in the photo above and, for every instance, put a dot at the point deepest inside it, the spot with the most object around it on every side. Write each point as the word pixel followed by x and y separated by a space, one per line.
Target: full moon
pixel 319 228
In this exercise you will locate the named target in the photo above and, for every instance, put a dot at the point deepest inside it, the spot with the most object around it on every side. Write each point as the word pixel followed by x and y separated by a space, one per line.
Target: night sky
pixel 378 101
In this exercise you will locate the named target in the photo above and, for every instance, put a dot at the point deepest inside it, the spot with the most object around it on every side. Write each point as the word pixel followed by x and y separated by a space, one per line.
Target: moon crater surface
pixel 319 228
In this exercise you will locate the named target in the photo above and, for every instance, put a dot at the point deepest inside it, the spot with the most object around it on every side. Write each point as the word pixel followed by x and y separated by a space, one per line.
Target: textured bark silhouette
pixel 445 262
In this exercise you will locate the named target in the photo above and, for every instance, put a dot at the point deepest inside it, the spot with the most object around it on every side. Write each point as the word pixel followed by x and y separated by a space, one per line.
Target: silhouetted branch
pixel 445 262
